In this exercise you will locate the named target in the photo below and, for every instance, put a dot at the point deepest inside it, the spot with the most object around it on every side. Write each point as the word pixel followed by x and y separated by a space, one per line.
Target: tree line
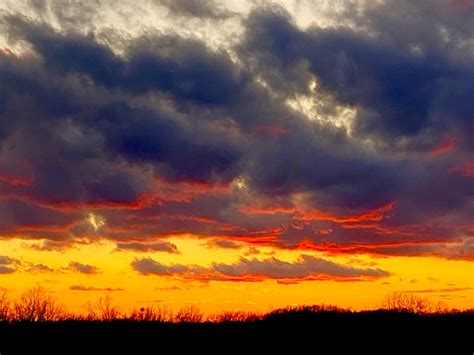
pixel 37 305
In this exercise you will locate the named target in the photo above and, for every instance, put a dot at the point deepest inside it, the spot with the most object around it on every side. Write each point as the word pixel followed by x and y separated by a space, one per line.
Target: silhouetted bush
pixel 4 308
pixel 151 314
pixel 35 305
pixel 190 314
pixel 410 303
pixel 302 313
pixel 234 317
pixel 103 310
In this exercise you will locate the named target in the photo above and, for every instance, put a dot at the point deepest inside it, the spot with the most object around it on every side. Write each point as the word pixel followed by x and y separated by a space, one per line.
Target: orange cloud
pixel 249 210
pixel 15 181
pixel 374 215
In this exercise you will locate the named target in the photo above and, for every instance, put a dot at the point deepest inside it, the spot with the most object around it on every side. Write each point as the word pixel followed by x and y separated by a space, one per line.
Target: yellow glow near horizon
pixel 447 279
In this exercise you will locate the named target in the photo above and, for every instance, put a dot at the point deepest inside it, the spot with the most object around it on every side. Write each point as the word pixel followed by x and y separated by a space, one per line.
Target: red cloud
pixel 271 129
pixel 15 181
pixel 448 144
pixel 466 169
pixel 374 215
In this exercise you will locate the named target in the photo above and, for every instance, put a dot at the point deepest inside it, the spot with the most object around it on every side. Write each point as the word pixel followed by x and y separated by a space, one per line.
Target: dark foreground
pixel 322 333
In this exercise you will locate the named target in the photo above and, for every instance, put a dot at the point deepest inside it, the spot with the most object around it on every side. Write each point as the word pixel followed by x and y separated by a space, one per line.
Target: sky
pixel 237 155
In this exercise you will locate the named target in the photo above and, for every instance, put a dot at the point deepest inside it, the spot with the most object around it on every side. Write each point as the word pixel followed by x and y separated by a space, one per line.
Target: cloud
pixel 39 268
pixel 369 69
pixel 49 245
pixel 148 266
pixel 305 268
pixel 83 268
pixel 286 136
pixel 440 290
pixel 223 243
pixel 153 63
pixel 202 9
pixel 94 289
pixel 8 265
pixel 149 247
pixel 252 251
pixel 170 288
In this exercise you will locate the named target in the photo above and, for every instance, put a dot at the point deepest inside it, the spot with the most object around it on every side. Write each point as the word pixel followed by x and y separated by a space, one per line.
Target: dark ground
pixel 321 333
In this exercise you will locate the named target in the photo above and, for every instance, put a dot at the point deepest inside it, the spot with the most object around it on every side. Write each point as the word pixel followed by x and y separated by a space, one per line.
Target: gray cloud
pixel 39 268
pixel 306 267
pixel 223 243
pixel 149 247
pixel 94 289
pixel 200 9
pixel 387 74
pixel 83 268
pixel 8 265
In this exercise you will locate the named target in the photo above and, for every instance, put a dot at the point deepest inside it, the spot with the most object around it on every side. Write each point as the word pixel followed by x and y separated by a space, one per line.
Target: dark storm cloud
pixel 400 78
pixel 100 132
pixel 187 150
pixel 155 137
pixel 16 214
pixel 27 88
pixel 182 67
pixel 337 174
pixel 145 136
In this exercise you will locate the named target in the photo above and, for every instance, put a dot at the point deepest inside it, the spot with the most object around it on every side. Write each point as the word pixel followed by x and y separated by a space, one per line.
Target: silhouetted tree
pixel 190 314
pixel 35 305
pixel 151 313
pixel 404 302
pixel 103 310
pixel 234 317
pixel 5 308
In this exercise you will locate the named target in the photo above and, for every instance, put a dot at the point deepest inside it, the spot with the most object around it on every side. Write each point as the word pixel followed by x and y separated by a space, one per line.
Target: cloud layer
pixel 355 138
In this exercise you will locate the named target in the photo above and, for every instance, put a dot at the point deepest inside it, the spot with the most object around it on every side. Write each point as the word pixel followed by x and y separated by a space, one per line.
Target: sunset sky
pixel 237 155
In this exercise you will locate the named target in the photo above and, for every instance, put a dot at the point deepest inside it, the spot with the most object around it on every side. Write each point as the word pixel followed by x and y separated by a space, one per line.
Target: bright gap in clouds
pixel 95 220
pixel 320 106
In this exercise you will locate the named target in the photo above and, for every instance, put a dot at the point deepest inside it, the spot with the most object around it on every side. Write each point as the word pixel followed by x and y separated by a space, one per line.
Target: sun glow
pixel 129 289
pixel 95 220
pixel 320 106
